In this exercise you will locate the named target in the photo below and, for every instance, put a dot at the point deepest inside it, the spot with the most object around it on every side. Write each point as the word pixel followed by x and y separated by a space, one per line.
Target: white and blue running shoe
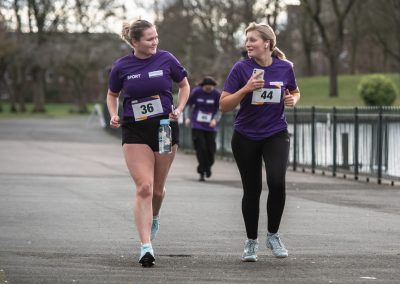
pixel 250 250
pixel 155 226
pixel 147 255
pixel 274 243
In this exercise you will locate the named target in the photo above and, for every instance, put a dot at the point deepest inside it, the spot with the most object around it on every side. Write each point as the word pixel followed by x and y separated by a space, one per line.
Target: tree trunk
pixel 333 71
pixel 13 101
pixel 38 94
pixel 309 64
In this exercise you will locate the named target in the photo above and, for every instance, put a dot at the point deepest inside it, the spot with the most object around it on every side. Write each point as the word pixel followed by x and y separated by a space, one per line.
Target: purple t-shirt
pixel 204 107
pixel 258 118
pixel 145 81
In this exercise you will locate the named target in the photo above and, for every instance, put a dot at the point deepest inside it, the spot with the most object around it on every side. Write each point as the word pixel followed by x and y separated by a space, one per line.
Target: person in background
pixel 145 76
pixel 203 117
pixel 263 85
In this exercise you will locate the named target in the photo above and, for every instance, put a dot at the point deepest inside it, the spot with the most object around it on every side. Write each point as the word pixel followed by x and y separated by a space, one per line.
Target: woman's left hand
pixel 213 123
pixel 290 99
pixel 175 114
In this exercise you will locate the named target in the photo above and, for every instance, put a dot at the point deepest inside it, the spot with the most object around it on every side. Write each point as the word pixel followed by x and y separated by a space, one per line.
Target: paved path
pixel 65 217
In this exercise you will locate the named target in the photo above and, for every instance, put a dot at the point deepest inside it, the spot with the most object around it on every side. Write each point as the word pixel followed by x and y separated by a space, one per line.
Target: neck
pixel 264 61
pixel 141 55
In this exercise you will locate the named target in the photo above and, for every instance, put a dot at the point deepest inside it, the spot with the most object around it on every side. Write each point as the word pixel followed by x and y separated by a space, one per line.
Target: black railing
pixel 350 141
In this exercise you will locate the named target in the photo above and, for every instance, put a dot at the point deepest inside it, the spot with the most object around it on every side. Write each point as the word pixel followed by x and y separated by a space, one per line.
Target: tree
pixel 385 28
pixel 208 35
pixel 7 50
pixel 331 30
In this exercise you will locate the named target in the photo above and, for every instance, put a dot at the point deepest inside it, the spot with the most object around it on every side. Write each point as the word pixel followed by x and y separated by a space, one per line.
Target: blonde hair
pixel 134 30
pixel 267 33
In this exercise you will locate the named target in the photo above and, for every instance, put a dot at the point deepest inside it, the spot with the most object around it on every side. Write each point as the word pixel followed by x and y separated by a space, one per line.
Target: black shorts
pixel 146 131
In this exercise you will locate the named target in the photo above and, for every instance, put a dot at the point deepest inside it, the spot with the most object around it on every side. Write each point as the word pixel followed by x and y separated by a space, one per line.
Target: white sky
pixel 114 24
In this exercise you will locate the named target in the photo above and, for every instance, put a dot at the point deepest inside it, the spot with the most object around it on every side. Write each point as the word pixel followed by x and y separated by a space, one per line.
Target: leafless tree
pixel 385 26
pixel 331 30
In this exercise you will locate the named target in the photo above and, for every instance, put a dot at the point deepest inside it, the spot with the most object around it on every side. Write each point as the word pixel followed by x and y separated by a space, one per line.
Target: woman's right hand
pixel 254 83
pixel 114 121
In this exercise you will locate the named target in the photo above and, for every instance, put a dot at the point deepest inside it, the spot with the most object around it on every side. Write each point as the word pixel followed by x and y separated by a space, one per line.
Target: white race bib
pixel 203 117
pixel 146 109
pixel 266 96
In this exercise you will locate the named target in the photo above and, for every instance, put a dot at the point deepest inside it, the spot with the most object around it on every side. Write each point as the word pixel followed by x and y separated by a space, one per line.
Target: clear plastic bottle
pixel 164 137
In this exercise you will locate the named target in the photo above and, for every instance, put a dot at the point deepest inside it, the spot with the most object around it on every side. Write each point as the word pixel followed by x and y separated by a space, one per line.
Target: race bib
pixel 148 107
pixel 204 117
pixel 266 96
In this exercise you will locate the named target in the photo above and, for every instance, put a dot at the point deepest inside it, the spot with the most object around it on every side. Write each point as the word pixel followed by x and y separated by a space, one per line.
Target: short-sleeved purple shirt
pixel 205 106
pixel 143 79
pixel 259 121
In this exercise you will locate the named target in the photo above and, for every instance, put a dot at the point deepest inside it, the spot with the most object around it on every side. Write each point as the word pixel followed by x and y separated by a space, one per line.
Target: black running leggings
pixel 204 143
pixel 249 154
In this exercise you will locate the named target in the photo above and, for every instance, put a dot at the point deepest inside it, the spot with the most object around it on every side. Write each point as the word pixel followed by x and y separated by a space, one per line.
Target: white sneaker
pixel 250 250
pixel 155 226
pixel 147 255
pixel 275 244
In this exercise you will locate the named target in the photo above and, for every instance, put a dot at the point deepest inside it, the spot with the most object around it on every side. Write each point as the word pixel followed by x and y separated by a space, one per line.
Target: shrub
pixel 377 90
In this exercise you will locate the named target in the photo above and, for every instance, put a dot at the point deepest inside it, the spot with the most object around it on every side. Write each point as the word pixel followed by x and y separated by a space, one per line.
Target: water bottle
pixel 164 137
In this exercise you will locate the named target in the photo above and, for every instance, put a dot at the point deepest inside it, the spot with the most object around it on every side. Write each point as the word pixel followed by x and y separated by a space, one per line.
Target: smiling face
pixel 146 46
pixel 256 46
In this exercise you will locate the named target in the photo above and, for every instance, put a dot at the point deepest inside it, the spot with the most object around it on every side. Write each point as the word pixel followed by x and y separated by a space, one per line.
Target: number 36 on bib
pixel 147 107
pixel 266 96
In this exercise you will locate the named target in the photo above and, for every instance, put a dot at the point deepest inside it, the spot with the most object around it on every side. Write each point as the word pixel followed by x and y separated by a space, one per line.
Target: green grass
pixel 52 110
pixel 315 90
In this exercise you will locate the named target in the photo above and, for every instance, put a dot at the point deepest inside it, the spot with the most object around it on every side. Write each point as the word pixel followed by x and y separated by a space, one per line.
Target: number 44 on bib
pixel 266 96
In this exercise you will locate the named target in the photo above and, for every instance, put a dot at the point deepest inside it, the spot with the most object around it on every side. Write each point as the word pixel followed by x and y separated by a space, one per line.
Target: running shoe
pixel 155 226
pixel 274 243
pixel 147 255
pixel 250 250
pixel 202 177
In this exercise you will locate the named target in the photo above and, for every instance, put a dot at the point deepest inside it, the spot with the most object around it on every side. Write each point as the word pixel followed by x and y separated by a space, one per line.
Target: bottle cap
pixel 164 121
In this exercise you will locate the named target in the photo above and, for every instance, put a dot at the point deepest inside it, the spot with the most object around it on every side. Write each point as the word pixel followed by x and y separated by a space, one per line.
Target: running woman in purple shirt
pixel 263 85
pixel 204 107
pixel 144 77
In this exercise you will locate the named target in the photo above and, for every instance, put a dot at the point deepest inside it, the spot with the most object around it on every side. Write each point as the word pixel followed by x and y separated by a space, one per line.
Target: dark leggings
pixel 249 155
pixel 204 143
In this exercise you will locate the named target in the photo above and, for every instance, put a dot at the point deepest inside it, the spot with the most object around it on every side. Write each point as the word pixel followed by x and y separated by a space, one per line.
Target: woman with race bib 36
pixel 145 77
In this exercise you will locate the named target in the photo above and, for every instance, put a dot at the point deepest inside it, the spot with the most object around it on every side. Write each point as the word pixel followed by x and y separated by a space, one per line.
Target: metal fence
pixel 350 141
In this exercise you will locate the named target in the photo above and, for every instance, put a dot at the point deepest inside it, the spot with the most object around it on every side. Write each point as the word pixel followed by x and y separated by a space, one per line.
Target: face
pixel 147 45
pixel 255 45
pixel 208 88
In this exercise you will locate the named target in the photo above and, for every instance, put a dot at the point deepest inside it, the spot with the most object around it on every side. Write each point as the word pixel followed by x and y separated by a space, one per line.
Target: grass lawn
pixel 52 110
pixel 315 90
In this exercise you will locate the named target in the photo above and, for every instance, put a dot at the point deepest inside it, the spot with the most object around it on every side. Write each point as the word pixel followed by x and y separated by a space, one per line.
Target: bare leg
pixel 161 169
pixel 140 161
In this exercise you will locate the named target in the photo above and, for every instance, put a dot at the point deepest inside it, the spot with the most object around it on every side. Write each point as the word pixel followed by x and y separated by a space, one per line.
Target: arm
pixel 292 97
pixel 188 114
pixel 229 101
pixel 183 96
pixel 112 105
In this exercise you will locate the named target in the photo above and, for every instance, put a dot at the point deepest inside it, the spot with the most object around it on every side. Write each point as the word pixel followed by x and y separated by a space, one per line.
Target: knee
pixel 144 190
pixel 277 187
pixel 158 194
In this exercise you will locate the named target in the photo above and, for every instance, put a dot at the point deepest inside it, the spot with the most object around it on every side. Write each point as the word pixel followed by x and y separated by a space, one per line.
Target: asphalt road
pixel 66 217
